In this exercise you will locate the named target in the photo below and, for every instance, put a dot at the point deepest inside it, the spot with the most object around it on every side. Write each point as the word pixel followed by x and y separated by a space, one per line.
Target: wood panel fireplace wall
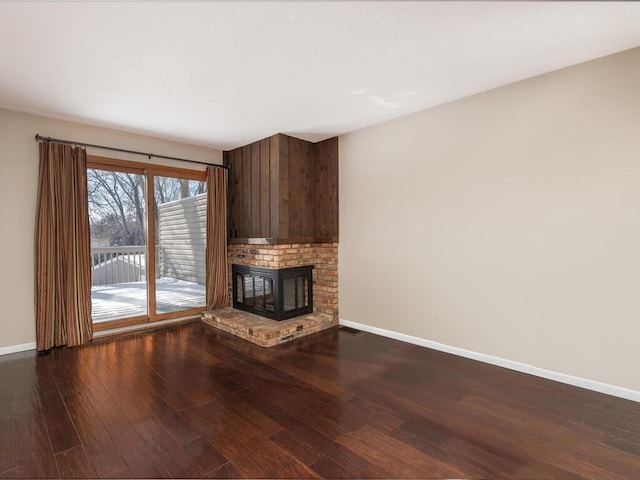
pixel 283 190
pixel 283 211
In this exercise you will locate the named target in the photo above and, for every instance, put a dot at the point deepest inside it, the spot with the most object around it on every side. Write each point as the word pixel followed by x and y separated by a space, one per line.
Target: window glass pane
pixel 118 244
pixel 180 235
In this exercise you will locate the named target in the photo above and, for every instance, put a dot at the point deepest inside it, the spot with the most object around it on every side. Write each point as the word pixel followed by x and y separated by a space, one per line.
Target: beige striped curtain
pixel 216 256
pixel 63 252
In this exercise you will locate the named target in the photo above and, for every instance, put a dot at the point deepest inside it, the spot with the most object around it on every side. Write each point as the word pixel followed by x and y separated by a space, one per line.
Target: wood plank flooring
pixel 194 402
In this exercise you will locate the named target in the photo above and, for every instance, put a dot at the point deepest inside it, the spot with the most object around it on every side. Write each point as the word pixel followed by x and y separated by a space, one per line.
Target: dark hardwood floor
pixel 193 402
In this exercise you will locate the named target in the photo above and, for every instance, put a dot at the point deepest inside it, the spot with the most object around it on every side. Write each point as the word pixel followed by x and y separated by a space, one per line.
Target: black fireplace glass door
pixel 259 290
pixel 269 302
pixel 301 292
pixel 271 292
pixel 289 293
pixel 295 292
pixel 255 291
pixel 249 290
pixel 240 287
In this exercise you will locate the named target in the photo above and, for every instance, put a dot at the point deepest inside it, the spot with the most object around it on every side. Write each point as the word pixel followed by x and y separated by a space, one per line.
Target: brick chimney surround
pixel 283 212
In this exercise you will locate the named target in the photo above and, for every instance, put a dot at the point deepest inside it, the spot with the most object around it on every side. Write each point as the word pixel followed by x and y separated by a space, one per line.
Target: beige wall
pixel 507 223
pixel 18 184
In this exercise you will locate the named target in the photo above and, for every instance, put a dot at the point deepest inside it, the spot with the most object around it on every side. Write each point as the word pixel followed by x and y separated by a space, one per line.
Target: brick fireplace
pixel 323 256
pixel 282 212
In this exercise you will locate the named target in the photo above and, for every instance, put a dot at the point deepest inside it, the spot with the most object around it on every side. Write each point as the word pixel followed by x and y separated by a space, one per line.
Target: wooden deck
pixel 196 402
pixel 121 300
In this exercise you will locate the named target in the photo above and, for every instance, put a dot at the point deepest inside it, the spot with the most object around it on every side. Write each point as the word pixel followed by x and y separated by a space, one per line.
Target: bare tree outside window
pixel 117 204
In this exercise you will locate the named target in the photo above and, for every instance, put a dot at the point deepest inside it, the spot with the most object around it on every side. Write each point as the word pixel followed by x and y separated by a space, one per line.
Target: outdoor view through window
pixel 122 260
pixel 181 232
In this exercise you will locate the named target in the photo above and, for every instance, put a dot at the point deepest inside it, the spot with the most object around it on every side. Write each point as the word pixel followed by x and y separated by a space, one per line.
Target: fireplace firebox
pixel 276 293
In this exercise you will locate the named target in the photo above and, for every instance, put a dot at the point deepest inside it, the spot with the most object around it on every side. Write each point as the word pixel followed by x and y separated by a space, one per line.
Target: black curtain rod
pixel 40 138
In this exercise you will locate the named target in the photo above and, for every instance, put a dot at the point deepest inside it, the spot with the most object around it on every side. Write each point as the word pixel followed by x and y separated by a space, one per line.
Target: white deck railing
pixel 118 264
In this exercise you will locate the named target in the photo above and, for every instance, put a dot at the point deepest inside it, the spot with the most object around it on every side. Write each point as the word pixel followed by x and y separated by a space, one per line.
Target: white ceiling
pixel 229 73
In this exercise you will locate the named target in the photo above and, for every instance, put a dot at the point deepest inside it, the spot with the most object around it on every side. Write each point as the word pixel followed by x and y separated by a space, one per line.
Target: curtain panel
pixel 63 251
pixel 217 270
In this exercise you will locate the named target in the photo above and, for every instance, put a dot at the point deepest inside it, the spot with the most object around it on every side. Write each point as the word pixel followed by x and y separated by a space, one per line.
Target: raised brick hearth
pixel 263 331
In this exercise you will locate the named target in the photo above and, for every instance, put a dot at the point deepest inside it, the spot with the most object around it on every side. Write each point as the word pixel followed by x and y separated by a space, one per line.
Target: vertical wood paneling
pixel 240 194
pixel 265 189
pixel 246 191
pixel 301 188
pixel 333 220
pixel 296 187
pixel 255 190
pixel 274 178
pixel 236 184
pixel 309 188
pixel 236 192
pixel 284 187
pixel 321 189
pixel 327 201
pixel 226 161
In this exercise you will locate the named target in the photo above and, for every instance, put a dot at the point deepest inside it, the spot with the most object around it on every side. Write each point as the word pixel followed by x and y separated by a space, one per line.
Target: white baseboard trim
pixel 502 362
pixel 17 348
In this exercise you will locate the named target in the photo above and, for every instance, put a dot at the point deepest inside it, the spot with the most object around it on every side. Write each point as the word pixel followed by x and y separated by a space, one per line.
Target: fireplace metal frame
pixel 278 276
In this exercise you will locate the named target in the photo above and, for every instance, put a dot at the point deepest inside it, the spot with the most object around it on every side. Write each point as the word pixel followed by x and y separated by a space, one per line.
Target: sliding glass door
pixel 148 239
